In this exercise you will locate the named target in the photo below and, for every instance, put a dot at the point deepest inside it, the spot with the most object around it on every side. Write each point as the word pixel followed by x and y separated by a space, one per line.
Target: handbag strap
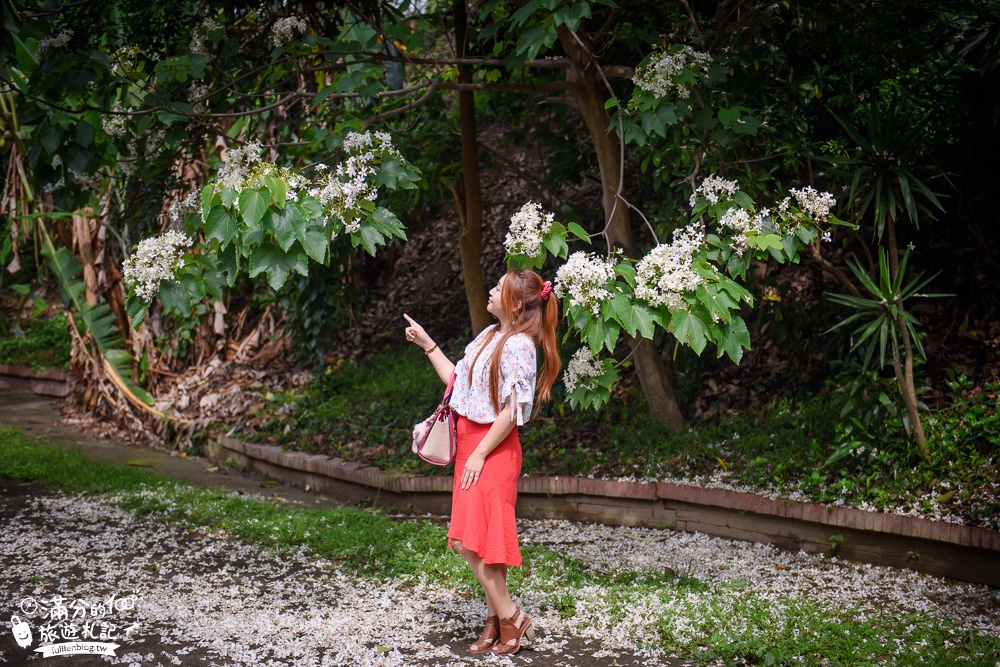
pixel 451 385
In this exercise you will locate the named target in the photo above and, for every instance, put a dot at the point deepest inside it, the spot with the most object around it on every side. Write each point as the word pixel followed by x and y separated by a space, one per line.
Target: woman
pixel 495 387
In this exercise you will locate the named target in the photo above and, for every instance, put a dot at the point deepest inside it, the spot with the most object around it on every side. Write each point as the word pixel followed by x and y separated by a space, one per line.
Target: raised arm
pixel 416 335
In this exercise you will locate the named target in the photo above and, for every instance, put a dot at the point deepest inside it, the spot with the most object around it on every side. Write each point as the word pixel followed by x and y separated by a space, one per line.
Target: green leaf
pixel 136 308
pixel 635 318
pixel 388 223
pixel 277 264
pixel 734 339
pixel 601 334
pixel 207 199
pixel 174 297
pixel 221 225
pixel 369 237
pixel 315 242
pixel 229 264
pixel 689 329
pixel 285 224
pixel 253 203
pixel 556 245
pixel 578 231
pixel 228 196
pixel 277 188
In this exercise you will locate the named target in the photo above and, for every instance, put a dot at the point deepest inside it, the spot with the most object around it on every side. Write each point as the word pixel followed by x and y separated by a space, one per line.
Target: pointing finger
pixel 410 320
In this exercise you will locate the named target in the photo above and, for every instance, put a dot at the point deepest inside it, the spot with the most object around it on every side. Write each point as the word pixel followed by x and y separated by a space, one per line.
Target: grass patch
pixel 45 344
pixel 364 410
pixel 703 621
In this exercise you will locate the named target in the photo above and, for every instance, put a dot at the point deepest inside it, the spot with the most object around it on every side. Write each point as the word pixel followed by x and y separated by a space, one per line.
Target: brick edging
pixel 50 382
pixel 837 517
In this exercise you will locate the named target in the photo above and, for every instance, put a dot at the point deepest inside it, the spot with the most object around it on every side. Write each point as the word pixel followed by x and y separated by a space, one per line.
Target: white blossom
pixel 714 189
pixel 237 166
pixel 741 223
pixel 342 190
pixel 197 44
pixel 57 42
pixel 527 227
pixel 666 273
pixel 584 277
pixel 89 181
pixel 816 204
pixel 285 29
pixel 124 60
pixel 179 209
pixel 582 369
pixel 115 124
pixel 659 76
pixel 827 237
pixel 155 260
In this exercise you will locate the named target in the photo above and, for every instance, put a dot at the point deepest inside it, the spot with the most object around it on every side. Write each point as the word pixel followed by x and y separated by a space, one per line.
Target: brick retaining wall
pixel 51 382
pixel 968 553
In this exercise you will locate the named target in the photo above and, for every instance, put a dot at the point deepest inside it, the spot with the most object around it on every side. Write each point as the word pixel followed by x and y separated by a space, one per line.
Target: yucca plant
pixel 886 326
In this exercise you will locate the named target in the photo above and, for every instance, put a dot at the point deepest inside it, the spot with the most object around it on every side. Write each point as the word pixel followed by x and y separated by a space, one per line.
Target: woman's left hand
pixel 474 466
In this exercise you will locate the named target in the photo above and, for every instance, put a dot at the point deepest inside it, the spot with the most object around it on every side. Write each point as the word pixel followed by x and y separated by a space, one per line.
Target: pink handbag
pixel 435 439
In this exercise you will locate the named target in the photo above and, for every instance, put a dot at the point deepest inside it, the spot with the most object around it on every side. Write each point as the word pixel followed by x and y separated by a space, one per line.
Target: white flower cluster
pixel 342 190
pixel 155 260
pixel 124 60
pixel 284 30
pixel 237 166
pixel 90 181
pixel 58 42
pixel 714 189
pixel 659 76
pixel 815 203
pixel 581 369
pixel 742 223
pixel 666 272
pixel 527 227
pixel 197 44
pixel 115 125
pixel 179 209
pixel 584 277
pixel 197 95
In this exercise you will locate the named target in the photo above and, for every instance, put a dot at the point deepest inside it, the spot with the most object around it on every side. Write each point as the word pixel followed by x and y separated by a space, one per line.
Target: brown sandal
pixel 489 638
pixel 512 633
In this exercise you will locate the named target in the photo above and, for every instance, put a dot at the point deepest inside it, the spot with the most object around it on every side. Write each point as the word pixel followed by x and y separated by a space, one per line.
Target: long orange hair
pixel 521 299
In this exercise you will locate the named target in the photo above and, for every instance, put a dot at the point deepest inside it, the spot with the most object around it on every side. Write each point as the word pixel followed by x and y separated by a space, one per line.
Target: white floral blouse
pixel 517 374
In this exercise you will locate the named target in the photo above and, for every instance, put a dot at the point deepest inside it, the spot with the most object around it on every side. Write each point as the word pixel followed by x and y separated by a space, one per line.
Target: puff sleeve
pixel 517 376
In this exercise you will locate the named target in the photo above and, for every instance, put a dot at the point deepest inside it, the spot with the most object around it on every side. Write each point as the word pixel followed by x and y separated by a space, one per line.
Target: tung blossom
pixel 582 370
pixel 527 227
pixel 53 43
pixel 659 75
pixel 666 273
pixel 154 261
pixel 584 277
pixel 346 187
pixel 285 29
pixel 714 189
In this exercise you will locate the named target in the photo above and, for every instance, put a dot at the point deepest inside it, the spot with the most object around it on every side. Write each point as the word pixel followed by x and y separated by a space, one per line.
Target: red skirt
pixel 482 516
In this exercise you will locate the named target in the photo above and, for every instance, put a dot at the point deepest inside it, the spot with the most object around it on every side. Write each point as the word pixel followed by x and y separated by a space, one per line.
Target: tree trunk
pixel 904 375
pixel 470 243
pixel 590 97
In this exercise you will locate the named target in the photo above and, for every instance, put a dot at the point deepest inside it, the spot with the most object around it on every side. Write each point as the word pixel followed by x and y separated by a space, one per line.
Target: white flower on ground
pixel 285 30
pixel 659 76
pixel 527 227
pixel 584 277
pixel 155 260
pixel 666 273
pixel 714 189
pixel 57 42
pixel 582 369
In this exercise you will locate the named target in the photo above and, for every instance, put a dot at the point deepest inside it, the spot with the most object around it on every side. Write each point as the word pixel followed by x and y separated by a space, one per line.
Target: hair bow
pixel 546 289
